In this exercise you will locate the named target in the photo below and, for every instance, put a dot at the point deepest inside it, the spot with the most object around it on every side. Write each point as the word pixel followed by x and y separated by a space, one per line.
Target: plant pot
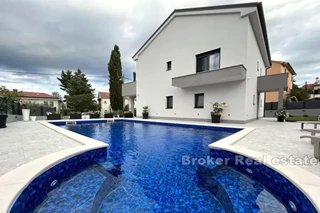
pixel 85 116
pixel 3 121
pixel 26 114
pixel 54 117
pixel 215 118
pixel 108 115
pixel 75 116
pixel 33 118
pixel 145 115
pixel 280 118
pixel 94 116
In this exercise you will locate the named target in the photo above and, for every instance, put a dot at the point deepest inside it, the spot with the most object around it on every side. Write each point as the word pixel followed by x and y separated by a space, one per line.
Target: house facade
pixel 314 88
pixel 41 99
pixel 277 68
pixel 203 55
pixel 104 100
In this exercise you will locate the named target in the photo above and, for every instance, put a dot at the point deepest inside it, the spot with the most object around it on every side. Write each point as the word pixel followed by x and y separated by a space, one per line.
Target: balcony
pixel 227 74
pixel 129 89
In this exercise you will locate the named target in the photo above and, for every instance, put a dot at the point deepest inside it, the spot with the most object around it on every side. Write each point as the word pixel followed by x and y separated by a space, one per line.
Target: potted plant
pixel 6 98
pixel 145 112
pixel 25 112
pixel 53 116
pixel 108 114
pixel 85 115
pixel 281 114
pixel 217 109
pixel 33 109
pixel 95 114
pixel 128 114
pixel 75 115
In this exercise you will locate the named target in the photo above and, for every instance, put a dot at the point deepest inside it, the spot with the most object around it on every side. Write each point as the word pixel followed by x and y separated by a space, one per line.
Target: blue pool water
pixel 144 173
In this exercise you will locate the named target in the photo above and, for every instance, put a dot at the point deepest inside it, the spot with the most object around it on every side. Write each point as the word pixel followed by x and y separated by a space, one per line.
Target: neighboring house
pixel 277 68
pixel 104 100
pixel 314 88
pixel 203 55
pixel 40 98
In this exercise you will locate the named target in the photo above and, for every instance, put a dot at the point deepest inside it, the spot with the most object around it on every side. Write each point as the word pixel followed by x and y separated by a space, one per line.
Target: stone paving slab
pixel 280 140
pixel 22 142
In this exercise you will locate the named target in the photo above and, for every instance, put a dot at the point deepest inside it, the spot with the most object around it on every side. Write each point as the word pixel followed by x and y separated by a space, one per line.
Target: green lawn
pixel 301 118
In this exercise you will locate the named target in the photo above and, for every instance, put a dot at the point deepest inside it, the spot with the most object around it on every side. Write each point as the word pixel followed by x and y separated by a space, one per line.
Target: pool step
pixel 236 192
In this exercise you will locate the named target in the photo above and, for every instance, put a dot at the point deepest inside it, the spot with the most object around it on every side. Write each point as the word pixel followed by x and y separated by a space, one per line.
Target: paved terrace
pixel 22 142
pixel 280 140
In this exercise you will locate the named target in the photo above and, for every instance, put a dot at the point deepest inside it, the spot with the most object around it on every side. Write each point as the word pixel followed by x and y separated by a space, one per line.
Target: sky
pixel 39 38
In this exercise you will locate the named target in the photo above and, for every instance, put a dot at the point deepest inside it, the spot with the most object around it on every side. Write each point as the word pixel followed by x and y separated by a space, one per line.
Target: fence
pixel 310 108
pixel 16 109
pixel 313 104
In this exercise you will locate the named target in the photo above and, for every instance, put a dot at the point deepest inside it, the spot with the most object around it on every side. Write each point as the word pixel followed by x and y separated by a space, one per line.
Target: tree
pixel 80 97
pixel 56 94
pixel 301 93
pixel 115 79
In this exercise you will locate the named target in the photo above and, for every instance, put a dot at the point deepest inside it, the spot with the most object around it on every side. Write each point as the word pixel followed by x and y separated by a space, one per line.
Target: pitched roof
pixel 104 95
pixel 309 86
pixel 36 95
pixel 258 5
pixel 287 65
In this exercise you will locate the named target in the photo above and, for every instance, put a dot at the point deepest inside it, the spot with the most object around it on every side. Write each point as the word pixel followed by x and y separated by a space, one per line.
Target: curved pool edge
pixel 14 182
pixel 307 182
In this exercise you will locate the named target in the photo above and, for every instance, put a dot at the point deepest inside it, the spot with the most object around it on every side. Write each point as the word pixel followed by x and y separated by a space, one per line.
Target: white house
pixel 104 100
pixel 40 98
pixel 203 55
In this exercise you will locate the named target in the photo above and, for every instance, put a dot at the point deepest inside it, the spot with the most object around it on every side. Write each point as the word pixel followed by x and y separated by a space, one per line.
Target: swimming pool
pixel 144 172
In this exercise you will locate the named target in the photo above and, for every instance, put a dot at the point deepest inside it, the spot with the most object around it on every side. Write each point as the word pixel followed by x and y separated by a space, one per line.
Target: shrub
pixel 305 115
pixel 128 114
pixel 126 108
pixel 65 112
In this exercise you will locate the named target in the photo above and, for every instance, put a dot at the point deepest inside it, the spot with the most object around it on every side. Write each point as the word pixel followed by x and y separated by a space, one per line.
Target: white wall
pixel 180 42
pixel 253 56
pixel 105 105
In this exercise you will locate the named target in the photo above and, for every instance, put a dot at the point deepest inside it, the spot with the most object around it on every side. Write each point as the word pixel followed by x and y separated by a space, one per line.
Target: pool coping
pixel 307 182
pixel 15 181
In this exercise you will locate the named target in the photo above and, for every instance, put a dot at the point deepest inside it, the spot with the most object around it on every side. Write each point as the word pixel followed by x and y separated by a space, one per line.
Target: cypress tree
pixel 115 79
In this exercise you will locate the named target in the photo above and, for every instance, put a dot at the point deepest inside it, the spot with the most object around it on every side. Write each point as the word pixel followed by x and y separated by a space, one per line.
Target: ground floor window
pixel 169 102
pixel 199 100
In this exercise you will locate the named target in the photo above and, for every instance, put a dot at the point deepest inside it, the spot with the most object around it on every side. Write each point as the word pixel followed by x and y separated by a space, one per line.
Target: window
pixel 257 65
pixel 169 65
pixel 169 102
pixel 208 61
pixel 45 103
pixel 199 100
pixel 51 103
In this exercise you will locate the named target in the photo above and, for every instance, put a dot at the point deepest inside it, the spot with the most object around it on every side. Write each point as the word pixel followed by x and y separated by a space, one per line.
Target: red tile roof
pixel 104 95
pixel 36 95
pixel 309 86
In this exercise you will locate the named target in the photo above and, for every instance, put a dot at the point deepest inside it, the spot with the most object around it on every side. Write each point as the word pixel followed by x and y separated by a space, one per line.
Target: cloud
pixel 47 36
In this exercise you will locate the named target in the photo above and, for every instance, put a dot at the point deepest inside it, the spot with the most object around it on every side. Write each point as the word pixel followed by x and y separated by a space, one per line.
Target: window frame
pixel 196 100
pixel 207 55
pixel 169 65
pixel 167 102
